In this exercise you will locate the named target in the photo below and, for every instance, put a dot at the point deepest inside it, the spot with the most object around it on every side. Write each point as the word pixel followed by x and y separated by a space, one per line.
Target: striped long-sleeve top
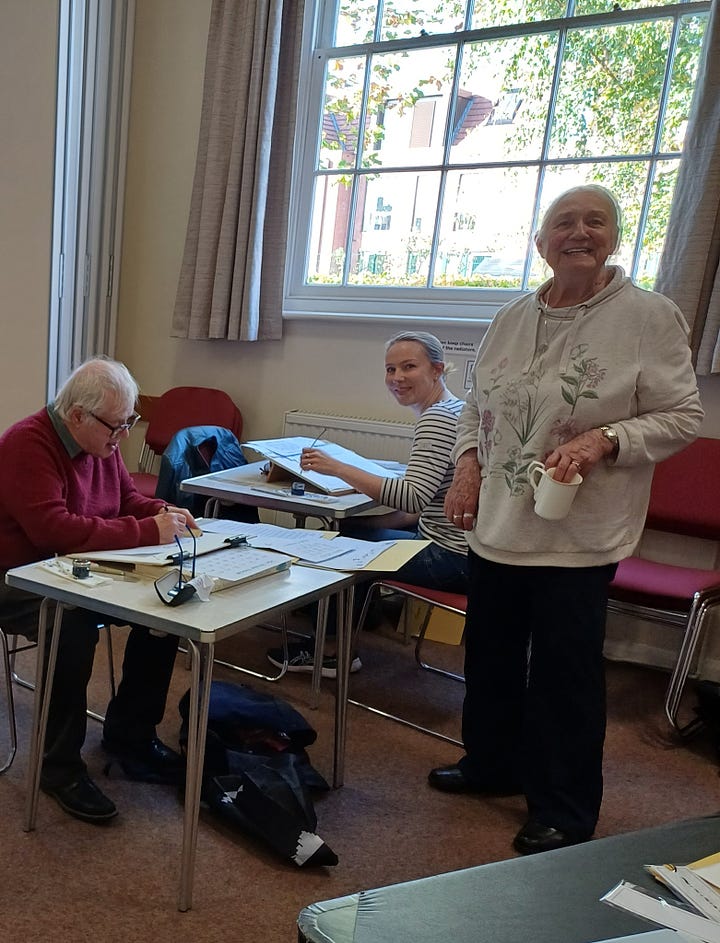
pixel 429 474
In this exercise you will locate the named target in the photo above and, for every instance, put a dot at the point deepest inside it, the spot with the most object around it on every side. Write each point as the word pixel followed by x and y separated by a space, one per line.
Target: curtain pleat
pixel 688 271
pixel 231 277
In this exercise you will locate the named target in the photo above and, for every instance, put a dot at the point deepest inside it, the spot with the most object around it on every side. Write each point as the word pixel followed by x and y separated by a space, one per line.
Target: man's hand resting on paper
pixel 174 522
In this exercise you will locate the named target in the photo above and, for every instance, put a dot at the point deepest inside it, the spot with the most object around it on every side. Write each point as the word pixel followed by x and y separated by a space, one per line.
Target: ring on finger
pixel 575 462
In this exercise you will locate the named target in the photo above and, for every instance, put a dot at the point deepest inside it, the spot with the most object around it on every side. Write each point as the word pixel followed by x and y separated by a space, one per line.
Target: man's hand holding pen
pixel 174 522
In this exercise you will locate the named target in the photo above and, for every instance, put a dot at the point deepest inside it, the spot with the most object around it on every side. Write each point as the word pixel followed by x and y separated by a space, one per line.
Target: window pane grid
pixel 437 154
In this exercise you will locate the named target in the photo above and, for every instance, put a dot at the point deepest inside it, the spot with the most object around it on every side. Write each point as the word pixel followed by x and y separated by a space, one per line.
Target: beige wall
pixel 28 67
pixel 318 365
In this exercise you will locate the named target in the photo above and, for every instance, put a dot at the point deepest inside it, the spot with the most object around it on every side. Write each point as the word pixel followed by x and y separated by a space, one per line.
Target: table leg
pixel 201 656
pixel 320 627
pixel 43 687
pixel 344 659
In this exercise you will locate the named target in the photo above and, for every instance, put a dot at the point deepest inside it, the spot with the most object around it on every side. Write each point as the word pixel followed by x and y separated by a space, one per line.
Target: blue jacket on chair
pixel 196 450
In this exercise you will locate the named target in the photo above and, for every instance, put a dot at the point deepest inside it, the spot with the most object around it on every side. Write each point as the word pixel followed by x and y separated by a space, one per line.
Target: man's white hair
pixel 90 383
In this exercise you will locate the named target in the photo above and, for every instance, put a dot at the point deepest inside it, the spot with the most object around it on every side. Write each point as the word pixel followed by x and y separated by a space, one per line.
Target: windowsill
pixel 386 308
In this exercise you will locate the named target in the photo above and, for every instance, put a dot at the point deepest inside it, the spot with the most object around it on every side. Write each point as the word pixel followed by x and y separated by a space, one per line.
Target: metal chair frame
pixel 9 652
pixel 684 500
pixel 430 599
pixel 693 624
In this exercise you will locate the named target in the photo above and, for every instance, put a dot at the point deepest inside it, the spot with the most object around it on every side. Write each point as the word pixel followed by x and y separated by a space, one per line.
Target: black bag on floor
pixel 257 775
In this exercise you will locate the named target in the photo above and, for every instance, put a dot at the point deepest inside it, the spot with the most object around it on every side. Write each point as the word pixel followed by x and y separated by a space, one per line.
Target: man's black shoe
pixel 84 800
pixel 147 761
pixel 452 779
pixel 534 837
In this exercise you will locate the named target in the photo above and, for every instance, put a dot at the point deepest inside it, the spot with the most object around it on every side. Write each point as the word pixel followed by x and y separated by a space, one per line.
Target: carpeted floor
pixel 72 881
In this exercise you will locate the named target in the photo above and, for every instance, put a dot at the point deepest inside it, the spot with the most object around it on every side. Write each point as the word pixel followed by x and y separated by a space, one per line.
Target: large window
pixel 433 134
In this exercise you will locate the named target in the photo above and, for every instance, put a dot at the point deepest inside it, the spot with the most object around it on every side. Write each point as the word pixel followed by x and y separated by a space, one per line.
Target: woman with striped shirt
pixel 415 376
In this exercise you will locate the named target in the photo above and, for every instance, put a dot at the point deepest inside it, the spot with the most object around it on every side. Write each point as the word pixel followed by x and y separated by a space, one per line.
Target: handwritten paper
pixel 320 548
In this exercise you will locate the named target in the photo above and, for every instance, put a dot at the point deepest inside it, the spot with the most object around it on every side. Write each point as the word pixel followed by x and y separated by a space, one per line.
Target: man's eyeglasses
pixel 173 588
pixel 116 431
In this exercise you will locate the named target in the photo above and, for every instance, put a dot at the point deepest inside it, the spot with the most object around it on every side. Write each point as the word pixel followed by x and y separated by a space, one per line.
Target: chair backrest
pixel 685 493
pixel 184 406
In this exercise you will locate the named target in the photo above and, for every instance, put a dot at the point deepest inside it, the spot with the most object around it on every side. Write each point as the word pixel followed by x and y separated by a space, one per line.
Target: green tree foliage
pixel 608 83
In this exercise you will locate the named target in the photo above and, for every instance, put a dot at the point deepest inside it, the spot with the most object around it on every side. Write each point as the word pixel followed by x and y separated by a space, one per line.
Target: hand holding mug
pixel 552 498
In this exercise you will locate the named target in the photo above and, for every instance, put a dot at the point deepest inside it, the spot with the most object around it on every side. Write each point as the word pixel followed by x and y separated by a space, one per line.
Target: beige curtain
pixel 689 272
pixel 232 270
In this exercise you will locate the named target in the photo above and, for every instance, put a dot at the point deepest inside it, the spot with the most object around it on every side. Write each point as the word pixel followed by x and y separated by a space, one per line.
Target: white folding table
pixel 201 625
pixel 247 485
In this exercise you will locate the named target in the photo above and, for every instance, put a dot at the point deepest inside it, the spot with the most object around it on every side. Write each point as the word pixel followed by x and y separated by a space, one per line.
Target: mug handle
pixel 535 473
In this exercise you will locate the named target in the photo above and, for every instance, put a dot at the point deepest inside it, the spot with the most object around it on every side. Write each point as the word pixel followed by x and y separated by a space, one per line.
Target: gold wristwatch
pixel 611 435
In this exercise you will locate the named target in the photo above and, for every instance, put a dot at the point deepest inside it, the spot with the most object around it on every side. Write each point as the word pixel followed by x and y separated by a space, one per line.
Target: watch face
pixel 609 434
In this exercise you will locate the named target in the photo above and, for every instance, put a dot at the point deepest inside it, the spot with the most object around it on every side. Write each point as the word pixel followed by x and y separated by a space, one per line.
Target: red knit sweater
pixel 52 503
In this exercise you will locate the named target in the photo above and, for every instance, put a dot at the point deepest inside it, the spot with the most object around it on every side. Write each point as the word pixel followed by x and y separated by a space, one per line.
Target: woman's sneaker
pixel 302 658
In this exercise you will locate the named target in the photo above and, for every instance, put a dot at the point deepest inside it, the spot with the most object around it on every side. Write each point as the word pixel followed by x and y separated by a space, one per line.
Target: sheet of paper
pixel 358 554
pixel 652 936
pixel 64 568
pixel 629 897
pixel 241 563
pixel 708 868
pixel 327 549
pixel 159 554
pixel 690 886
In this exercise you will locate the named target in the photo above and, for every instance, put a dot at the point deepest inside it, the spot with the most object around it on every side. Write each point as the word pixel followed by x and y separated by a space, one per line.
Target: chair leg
pixel 375 588
pixel 30 685
pixel 423 664
pixel 681 671
pixel 12 725
pixel 258 674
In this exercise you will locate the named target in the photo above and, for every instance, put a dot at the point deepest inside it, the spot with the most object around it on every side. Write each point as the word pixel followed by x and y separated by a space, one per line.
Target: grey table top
pixel 548 898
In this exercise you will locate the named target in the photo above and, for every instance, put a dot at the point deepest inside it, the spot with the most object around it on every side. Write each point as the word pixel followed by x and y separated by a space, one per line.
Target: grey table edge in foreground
pixel 548 898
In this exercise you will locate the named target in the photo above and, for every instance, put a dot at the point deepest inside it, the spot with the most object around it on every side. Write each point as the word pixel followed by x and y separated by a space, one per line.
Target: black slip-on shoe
pixel 83 800
pixel 534 837
pixel 452 779
pixel 146 761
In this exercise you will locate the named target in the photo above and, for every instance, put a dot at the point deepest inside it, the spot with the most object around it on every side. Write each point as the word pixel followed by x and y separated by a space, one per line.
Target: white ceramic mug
pixel 552 498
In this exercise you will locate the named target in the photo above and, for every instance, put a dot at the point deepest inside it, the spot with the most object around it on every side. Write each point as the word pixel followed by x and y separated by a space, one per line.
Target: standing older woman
pixel 590 374
pixel 415 376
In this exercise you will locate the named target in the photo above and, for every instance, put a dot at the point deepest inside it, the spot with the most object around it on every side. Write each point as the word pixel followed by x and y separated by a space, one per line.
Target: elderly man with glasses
pixel 64 489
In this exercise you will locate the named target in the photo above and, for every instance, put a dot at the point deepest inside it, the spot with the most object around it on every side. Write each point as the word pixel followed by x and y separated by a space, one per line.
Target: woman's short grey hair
pixel 430 344
pixel 595 188
pixel 90 383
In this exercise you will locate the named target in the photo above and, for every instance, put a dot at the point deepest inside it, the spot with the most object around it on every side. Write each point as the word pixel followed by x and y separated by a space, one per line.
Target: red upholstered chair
pixel 684 499
pixel 178 408
pixel 434 599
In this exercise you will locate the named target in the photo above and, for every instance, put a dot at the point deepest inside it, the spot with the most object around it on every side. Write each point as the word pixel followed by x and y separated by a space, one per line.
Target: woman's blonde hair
pixel 430 344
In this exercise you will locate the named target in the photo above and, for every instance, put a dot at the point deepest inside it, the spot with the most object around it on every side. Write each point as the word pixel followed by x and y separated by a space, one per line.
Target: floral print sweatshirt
pixel 542 376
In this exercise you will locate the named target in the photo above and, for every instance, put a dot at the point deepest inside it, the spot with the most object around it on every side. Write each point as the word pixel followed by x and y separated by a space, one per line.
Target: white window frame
pixel 460 306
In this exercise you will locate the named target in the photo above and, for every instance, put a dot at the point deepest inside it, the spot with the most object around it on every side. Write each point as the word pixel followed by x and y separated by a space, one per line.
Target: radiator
pixel 371 438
